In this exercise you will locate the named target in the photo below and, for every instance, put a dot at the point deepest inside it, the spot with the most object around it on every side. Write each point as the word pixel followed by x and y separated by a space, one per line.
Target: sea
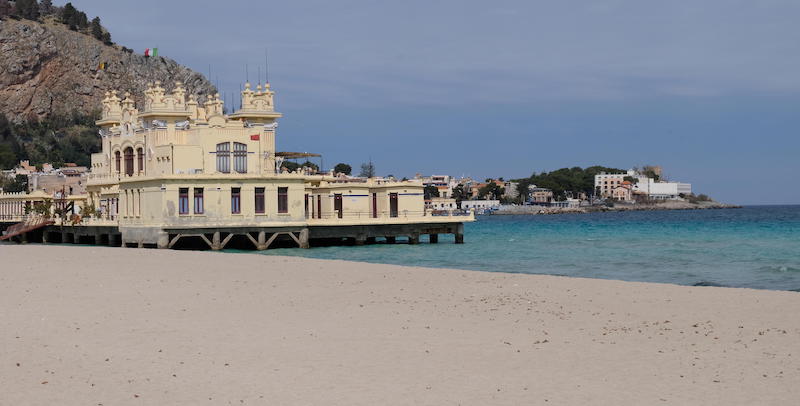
pixel 750 247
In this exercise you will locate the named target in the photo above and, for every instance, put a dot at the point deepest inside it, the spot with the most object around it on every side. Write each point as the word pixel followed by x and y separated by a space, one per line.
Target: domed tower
pixel 258 112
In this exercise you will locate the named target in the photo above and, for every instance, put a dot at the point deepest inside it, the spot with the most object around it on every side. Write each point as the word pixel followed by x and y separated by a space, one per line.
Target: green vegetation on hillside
pixel 68 15
pixel 54 140
pixel 565 180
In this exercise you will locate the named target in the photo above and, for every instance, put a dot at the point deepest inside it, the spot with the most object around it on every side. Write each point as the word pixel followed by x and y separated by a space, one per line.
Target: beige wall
pixel 155 202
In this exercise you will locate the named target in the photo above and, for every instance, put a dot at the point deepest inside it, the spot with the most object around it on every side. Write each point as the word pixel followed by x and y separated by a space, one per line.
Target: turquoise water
pixel 755 247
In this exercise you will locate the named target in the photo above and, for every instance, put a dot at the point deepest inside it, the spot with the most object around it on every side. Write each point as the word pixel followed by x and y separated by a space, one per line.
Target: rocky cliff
pixel 46 68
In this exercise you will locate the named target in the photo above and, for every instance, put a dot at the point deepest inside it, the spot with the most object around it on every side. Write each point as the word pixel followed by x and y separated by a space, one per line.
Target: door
pixel 392 204
pixel 374 205
pixel 337 204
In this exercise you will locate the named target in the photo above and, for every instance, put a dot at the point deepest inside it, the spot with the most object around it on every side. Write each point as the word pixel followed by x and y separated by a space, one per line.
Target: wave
pixel 779 268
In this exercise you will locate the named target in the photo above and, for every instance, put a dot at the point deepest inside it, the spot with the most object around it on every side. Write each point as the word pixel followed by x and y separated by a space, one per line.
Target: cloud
pixel 455 52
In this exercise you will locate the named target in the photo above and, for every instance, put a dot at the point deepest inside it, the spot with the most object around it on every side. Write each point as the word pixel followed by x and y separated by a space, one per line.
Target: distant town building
pixel 510 190
pixel 540 195
pixel 622 192
pixel 441 203
pixel 612 185
pixel 480 205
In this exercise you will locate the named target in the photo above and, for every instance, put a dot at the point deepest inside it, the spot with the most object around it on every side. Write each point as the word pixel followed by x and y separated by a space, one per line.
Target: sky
pixel 709 90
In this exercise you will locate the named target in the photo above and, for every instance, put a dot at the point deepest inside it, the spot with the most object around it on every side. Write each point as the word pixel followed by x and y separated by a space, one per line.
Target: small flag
pixel 155 52
pixel 255 137
pixel 147 52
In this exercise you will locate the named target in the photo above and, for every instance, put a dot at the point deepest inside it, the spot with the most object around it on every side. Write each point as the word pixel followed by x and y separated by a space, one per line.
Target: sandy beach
pixel 113 326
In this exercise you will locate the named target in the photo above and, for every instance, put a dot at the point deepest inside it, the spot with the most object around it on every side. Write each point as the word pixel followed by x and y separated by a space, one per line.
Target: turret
pixel 257 107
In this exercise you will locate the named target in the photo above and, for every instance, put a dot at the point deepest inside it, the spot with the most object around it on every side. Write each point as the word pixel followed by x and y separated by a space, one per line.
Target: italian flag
pixel 147 52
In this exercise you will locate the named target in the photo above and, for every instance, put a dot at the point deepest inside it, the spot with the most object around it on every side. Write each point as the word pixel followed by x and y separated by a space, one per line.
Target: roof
pixel 293 155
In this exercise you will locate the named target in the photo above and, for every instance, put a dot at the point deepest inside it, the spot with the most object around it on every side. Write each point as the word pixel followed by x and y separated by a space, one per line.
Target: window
pixel 283 200
pixel 224 157
pixel 129 161
pixel 259 200
pixel 183 200
pixel 236 200
pixel 240 157
pixel 198 200
pixel 140 159
pixel 306 205
pixel 118 160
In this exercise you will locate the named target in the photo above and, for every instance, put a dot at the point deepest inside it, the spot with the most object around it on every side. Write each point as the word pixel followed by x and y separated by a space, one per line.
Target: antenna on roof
pixel 246 72
pixel 259 75
pixel 266 66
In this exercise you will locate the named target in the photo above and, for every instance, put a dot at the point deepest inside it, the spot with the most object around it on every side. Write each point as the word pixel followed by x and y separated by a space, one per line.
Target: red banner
pixel 255 137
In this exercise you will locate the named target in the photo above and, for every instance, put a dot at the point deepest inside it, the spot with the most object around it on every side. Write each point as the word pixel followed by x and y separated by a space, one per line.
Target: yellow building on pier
pixel 180 168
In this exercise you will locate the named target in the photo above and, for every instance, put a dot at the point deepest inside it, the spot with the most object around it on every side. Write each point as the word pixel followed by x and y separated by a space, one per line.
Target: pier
pixel 255 238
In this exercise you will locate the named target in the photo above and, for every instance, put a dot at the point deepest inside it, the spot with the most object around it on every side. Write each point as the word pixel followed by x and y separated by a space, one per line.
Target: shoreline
pixel 542 210
pixel 184 327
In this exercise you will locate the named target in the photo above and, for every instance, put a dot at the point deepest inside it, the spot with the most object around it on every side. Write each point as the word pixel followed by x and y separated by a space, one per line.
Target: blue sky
pixel 709 90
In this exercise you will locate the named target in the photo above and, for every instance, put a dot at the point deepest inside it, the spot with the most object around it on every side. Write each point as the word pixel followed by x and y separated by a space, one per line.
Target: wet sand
pixel 113 326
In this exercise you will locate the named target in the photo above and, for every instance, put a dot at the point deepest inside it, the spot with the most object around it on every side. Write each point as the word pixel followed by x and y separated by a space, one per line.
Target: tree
pixel 96 28
pixel 492 191
pixel 367 170
pixel 430 191
pixel 651 172
pixel 631 179
pixel 290 166
pixel 343 168
pixel 459 194
pixel 309 164
pixel 69 15
pixel 57 138
pixel 28 9
pixel 107 38
pixel 82 21
pixel 5 8
pixel 17 184
pixel 46 7
pixel 7 157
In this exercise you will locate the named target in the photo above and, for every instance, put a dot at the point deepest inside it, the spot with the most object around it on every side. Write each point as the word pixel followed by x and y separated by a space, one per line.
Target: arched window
pixel 117 159
pixel 140 159
pixel 128 161
pixel 224 157
pixel 240 157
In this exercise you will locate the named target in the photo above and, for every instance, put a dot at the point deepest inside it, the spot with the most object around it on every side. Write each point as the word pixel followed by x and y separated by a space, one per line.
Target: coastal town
pixel 631 189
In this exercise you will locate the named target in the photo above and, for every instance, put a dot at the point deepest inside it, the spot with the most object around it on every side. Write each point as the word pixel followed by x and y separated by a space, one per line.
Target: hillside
pixel 47 69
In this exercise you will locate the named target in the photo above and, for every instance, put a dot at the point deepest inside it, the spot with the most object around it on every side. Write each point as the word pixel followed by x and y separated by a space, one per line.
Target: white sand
pixel 156 327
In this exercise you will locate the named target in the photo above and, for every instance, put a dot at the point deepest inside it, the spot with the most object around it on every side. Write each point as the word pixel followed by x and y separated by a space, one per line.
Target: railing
pixel 384 215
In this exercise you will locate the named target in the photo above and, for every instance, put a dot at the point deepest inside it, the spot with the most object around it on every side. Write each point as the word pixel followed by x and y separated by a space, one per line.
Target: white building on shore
pixel 605 185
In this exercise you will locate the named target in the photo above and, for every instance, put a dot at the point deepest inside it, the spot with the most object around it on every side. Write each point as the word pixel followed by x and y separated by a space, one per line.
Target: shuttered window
pixel 198 200
pixel 236 200
pixel 240 157
pixel 259 203
pixel 224 157
pixel 183 201
pixel 283 200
